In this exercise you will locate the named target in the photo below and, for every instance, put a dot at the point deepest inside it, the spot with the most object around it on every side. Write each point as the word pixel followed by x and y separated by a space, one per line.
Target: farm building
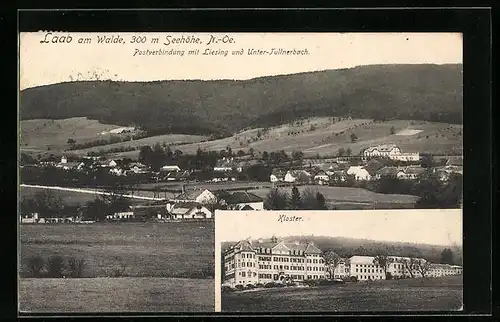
pixel 201 196
pixel 241 200
pixel 359 173
pixel 189 210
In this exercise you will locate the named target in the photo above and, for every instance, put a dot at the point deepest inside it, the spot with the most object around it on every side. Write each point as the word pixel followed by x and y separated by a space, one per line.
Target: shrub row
pixel 55 267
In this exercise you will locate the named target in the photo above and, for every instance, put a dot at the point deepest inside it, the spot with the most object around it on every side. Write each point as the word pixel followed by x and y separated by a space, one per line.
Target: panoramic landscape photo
pixel 339 261
pixel 123 160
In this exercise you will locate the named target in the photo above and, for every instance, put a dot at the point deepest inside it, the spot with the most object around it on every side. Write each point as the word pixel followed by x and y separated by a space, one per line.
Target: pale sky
pixel 434 226
pixel 48 63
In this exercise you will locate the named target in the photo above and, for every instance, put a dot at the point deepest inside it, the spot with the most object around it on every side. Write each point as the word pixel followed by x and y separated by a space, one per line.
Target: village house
pixel 177 176
pixel 222 177
pixel 241 200
pixel 394 172
pixel 137 168
pixel 321 178
pixel 170 168
pixel 339 176
pixel 277 175
pixel 413 173
pixel 201 196
pixel 298 176
pixel 359 173
pixel 189 210
pixel 384 150
pixel 65 165
pixel 120 215
pixel 226 165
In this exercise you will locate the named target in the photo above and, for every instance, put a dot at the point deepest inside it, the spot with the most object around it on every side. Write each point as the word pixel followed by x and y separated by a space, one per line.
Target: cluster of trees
pixel 278 199
pixel 55 267
pixel 433 192
pixel 158 156
pixel 48 204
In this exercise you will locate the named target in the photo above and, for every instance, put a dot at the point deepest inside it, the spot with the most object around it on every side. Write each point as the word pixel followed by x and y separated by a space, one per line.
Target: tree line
pixel 278 199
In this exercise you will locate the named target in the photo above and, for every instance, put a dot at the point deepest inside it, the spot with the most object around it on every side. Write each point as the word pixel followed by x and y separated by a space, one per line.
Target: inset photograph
pixel 339 261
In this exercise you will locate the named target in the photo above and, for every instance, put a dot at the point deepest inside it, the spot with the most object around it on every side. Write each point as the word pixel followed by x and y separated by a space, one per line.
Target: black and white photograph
pixel 130 142
pixel 339 261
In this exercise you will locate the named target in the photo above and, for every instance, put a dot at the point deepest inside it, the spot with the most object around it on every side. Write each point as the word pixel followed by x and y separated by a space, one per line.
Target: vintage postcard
pixel 129 143
pixel 339 261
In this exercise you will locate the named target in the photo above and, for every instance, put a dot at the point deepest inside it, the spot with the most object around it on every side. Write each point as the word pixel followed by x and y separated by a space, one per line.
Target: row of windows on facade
pixel 293 260
pixel 298 277
pixel 366 277
pixel 363 270
pixel 293 268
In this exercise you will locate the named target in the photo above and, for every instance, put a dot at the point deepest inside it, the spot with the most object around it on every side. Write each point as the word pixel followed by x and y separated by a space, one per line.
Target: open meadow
pixel 420 294
pixel 174 249
pixel 127 294
pixel 356 197
pixel 50 136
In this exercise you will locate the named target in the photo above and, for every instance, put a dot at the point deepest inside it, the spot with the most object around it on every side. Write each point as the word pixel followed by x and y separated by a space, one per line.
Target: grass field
pixel 78 198
pixel 436 294
pixel 176 249
pixel 116 295
pixel 313 136
pixel 327 138
pixel 38 134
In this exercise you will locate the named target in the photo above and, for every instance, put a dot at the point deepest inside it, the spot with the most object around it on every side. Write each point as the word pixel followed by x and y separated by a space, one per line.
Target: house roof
pixel 184 207
pixel 382 148
pixel 170 168
pixel 307 248
pixel 247 207
pixel 69 164
pixel 190 194
pixel 279 173
pixel 242 197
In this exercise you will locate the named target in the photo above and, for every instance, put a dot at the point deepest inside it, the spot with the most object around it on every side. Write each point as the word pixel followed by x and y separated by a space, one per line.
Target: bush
pixel 76 267
pixel 270 284
pixel 239 287
pixel 35 266
pixel 55 267
pixel 259 285
pixel 250 286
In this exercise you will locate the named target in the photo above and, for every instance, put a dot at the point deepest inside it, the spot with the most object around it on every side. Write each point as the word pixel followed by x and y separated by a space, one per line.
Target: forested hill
pixel 420 92
pixel 347 247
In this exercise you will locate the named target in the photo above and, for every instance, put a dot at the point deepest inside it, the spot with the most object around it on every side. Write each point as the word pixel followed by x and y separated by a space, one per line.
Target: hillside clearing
pixel 174 249
pixel 328 137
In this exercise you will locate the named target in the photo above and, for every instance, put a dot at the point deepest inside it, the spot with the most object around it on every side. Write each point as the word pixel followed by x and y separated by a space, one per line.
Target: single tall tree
pixel 332 260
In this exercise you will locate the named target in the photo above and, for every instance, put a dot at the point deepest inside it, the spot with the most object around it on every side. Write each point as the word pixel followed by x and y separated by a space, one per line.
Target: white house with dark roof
pixel 241 200
pixel 201 196
pixel 189 210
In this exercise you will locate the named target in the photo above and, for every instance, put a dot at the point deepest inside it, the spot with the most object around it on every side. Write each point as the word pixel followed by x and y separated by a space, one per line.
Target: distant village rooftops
pixel 382 148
